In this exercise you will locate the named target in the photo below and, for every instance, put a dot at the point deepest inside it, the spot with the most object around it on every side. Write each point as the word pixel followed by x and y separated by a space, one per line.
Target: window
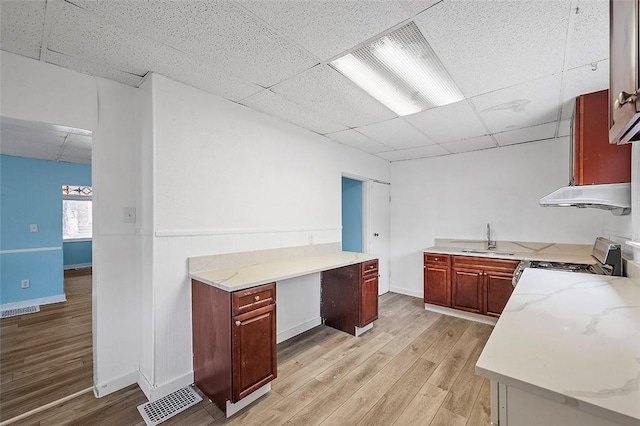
pixel 76 212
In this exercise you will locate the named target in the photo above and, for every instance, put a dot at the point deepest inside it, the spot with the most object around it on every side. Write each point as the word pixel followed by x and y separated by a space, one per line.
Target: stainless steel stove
pixel 607 256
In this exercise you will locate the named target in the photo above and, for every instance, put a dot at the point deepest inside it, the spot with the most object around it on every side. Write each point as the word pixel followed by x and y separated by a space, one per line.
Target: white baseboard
pixel 361 330
pixel 461 314
pixel 103 389
pixel 32 302
pixel 77 266
pixel 298 329
pixel 407 291
pixel 234 408
pixel 153 393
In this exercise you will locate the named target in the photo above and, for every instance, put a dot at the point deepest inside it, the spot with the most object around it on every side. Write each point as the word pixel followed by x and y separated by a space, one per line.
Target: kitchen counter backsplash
pixel 518 250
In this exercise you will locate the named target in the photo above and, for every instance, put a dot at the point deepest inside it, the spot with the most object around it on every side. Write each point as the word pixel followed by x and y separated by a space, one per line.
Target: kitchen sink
pixel 487 251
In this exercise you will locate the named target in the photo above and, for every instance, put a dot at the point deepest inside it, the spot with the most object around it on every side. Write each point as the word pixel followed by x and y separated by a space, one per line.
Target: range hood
pixel 615 197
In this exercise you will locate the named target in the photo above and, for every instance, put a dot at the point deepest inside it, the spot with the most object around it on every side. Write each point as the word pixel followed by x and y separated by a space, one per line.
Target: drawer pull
pixel 435 258
pixel 238 323
pixel 371 266
pixel 257 298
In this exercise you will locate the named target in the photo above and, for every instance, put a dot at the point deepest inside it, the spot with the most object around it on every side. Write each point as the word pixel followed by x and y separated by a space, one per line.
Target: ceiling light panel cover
pixel 402 71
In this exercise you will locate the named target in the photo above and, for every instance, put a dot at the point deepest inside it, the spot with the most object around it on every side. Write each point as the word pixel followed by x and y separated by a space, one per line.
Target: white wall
pixel 35 91
pixel 227 179
pixel 456 196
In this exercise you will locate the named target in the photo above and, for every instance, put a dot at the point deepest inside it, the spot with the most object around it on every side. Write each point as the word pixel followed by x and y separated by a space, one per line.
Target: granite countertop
pixel 572 338
pixel 516 250
pixel 243 277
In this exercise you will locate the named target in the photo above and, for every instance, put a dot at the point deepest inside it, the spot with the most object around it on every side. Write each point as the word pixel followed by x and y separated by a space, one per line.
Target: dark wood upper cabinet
pixel 595 161
pixel 624 75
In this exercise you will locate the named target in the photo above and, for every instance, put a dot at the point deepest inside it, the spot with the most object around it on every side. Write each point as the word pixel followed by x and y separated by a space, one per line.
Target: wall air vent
pixel 19 311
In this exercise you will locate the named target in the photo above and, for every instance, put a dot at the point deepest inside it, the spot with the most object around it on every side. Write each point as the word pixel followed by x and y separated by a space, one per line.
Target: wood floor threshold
pixel 46 406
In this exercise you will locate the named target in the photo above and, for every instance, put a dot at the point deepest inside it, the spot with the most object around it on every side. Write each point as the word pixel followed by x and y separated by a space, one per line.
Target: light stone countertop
pixel 517 250
pixel 571 338
pixel 244 277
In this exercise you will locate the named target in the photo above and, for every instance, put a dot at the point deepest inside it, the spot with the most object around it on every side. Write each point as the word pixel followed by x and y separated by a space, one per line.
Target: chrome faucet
pixel 491 245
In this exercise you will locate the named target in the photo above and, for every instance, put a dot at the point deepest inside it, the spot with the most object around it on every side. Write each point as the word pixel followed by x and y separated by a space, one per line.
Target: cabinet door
pixel 437 289
pixel 369 304
pixel 254 350
pixel 498 290
pixel 466 290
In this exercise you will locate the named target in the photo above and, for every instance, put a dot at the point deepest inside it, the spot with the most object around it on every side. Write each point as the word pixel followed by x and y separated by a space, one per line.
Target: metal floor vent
pixel 164 408
pixel 19 311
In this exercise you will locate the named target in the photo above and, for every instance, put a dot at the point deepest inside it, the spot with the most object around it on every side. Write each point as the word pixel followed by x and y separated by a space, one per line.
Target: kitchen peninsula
pixel 566 351
pixel 234 312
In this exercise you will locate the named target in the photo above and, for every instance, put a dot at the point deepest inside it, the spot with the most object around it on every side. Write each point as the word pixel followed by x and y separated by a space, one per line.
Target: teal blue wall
pixel 31 193
pixel 76 254
pixel 351 215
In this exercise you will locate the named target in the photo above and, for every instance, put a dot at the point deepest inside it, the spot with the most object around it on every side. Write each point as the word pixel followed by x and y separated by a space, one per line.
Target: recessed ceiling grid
pixel 501 53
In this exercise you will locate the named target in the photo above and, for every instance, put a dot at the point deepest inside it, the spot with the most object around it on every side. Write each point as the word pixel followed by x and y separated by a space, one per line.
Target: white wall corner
pixel 153 393
pixel 406 291
pixel 103 389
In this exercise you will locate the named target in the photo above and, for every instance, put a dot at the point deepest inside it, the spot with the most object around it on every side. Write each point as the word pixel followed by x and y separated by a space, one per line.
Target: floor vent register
pixel 19 311
pixel 164 408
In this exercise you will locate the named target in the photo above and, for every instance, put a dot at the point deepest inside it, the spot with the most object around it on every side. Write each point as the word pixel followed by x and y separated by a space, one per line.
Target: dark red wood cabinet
pixel 474 284
pixel 234 340
pixel 350 296
pixel 437 281
pixel 595 160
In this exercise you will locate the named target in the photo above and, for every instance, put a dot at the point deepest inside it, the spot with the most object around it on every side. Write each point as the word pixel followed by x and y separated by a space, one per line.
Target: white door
pixel 378 230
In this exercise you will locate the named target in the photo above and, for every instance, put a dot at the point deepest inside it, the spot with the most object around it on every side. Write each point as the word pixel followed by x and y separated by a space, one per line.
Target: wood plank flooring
pixel 414 368
pixel 47 355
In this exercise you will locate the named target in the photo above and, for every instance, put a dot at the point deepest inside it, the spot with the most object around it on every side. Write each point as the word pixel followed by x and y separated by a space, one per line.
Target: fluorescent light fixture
pixel 401 71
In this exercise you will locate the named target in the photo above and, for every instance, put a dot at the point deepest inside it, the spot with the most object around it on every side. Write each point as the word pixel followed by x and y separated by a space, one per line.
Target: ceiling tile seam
pixel 304 107
pixel 479 117
pixel 535 140
pixel 49 12
pixel 92 62
pixel 574 10
pixel 419 130
pixel 433 5
pixel 159 43
pixel 524 128
pixel 355 129
pixel 63 147
pixel 588 63
pixel 275 30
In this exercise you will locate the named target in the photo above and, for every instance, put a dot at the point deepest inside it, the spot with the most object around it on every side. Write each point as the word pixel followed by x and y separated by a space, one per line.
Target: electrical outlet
pixel 24 284
pixel 33 227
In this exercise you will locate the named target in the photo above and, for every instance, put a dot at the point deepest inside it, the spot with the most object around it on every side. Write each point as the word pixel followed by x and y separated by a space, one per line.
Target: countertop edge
pixel 558 397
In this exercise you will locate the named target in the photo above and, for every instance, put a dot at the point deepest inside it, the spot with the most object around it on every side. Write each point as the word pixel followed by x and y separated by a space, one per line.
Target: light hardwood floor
pixel 414 368
pixel 47 355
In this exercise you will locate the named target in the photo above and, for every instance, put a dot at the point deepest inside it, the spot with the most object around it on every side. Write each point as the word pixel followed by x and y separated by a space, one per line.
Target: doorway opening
pixel 352 222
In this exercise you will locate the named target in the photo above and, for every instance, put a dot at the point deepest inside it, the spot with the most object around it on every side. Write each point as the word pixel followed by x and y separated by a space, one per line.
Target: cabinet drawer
pixel 437 258
pixel 370 267
pixel 253 298
pixel 485 263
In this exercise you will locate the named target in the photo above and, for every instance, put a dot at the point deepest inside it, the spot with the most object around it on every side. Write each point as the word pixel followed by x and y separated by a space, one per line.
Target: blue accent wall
pixel 76 253
pixel 31 194
pixel 351 215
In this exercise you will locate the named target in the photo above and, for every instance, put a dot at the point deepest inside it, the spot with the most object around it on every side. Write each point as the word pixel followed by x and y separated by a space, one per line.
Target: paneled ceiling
pixel 518 63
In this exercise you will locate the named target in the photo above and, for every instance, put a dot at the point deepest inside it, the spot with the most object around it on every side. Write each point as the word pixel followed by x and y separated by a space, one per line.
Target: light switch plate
pixel 33 227
pixel 24 284
pixel 129 215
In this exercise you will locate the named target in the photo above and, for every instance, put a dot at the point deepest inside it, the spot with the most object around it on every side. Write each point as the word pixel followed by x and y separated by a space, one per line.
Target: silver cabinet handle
pixel 257 298
pixel 375 234
pixel 238 323
pixel 626 98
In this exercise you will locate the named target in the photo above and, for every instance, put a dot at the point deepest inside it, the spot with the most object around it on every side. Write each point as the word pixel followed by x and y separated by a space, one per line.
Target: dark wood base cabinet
pixel 350 296
pixel 234 333
pixel 474 284
pixel 234 340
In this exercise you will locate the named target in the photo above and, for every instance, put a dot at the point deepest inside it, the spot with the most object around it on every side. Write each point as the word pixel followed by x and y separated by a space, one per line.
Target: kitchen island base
pixel 511 406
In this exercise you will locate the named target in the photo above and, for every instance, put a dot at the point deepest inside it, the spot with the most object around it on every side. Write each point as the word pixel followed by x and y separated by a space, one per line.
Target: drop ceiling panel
pixel 449 123
pixel 487 46
pixel 358 140
pixel 396 133
pixel 473 144
pixel 22 25
pixel 221 33
pixel 528 134
pixel 328 28
pixel 520 106
pixel 324 90
pixel 589 40
pixel 579 81
pixel 414 153
pixel 91 68
pixel 273 104
pixel 420 5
